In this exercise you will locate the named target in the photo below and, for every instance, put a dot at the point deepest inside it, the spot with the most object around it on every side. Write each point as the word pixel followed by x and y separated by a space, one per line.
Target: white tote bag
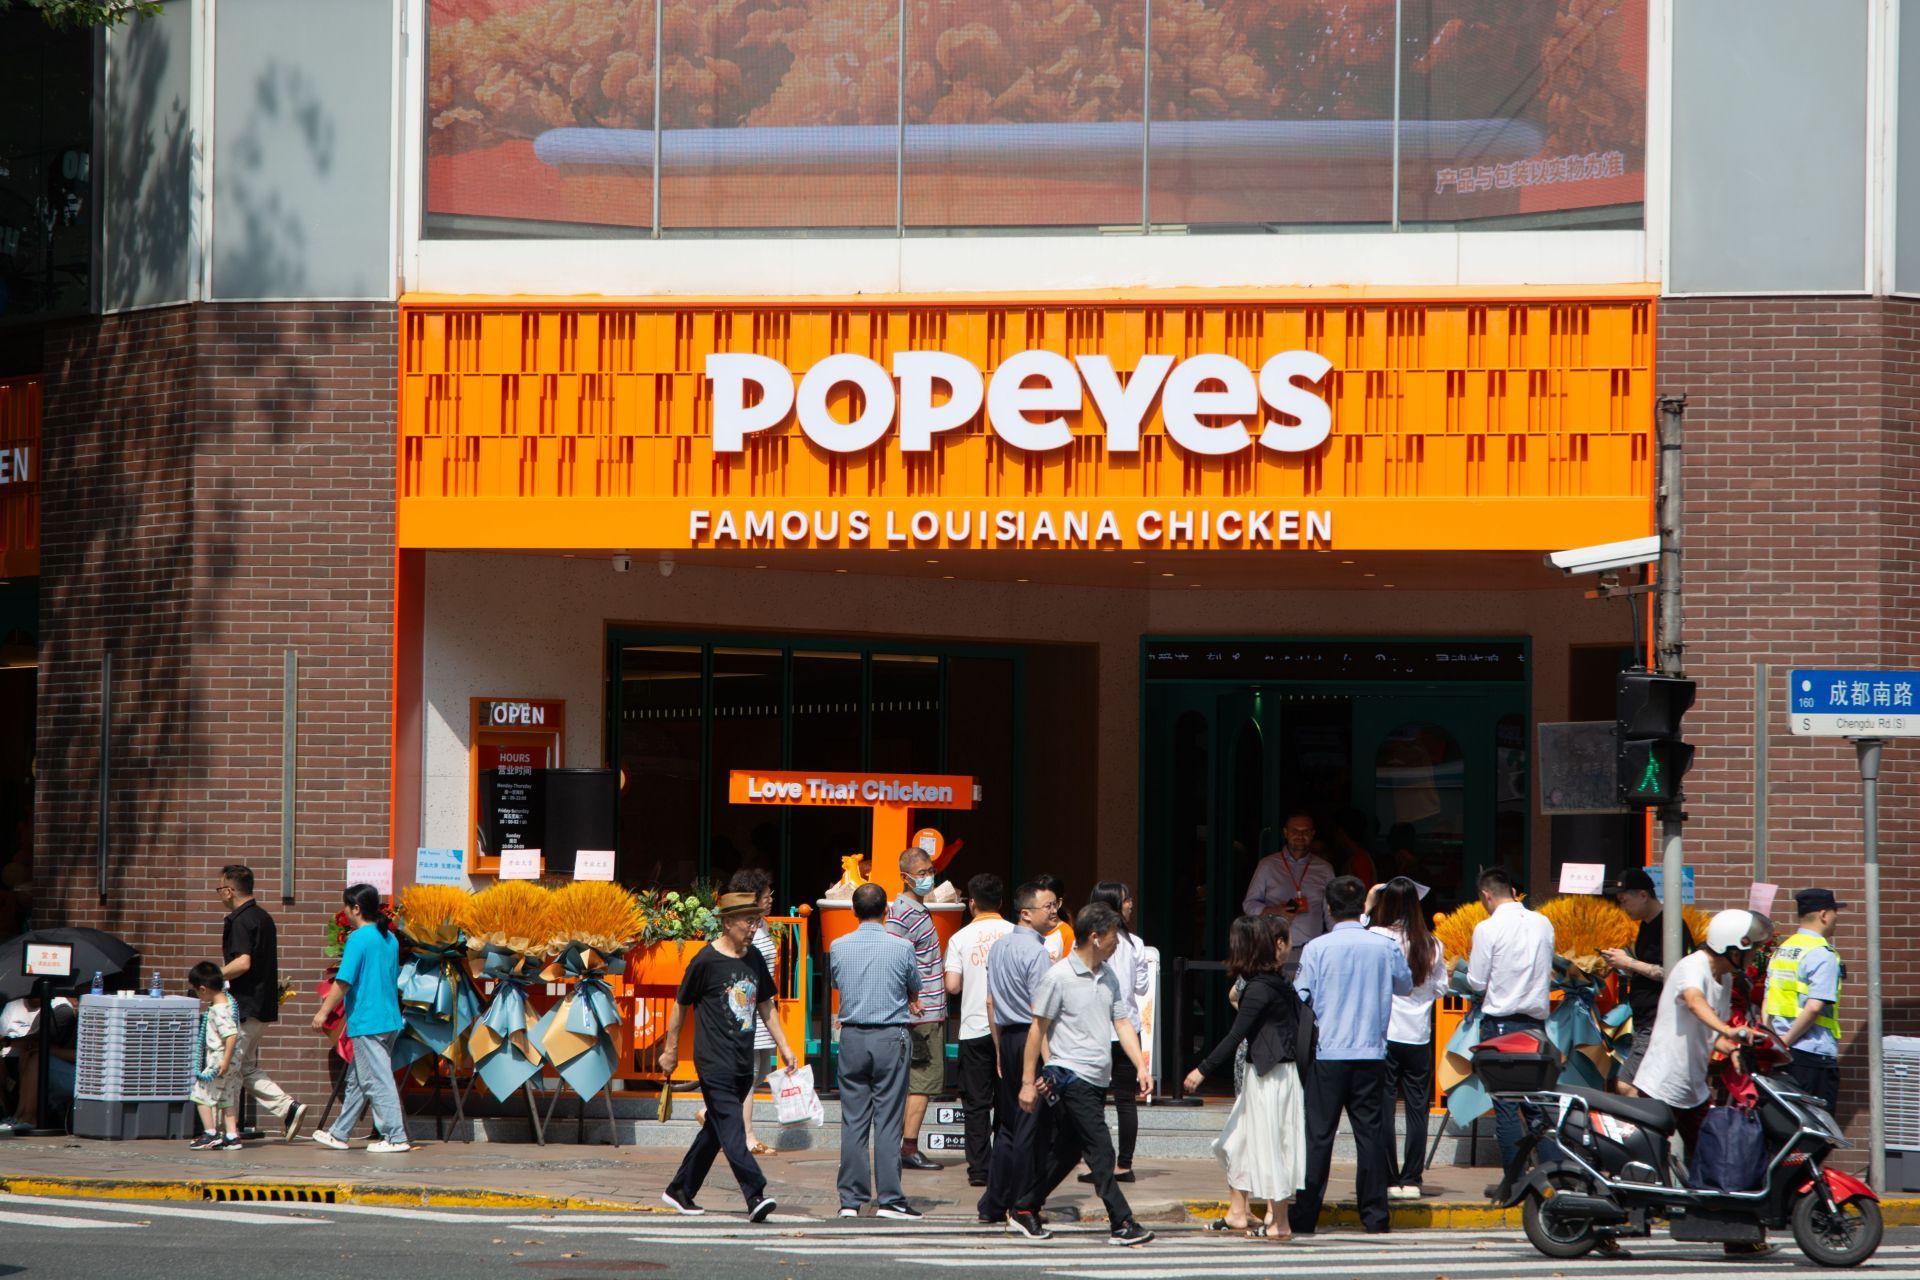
pixel 794 1099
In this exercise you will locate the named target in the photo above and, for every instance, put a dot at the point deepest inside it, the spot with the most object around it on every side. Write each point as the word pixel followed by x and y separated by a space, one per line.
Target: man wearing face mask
pixel 908 918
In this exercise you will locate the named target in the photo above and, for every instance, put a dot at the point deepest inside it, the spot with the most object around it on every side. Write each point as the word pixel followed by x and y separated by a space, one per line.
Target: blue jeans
pixel 1506 1115
pixel 370 1082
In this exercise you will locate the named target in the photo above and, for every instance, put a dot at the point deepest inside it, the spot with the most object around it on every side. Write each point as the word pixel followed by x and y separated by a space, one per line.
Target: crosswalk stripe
pixel 59 1223
pixel 156 1210
pixel 1139 1271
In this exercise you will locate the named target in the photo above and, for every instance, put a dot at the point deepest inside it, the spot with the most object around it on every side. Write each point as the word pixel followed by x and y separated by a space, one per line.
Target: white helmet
pixel 1728 930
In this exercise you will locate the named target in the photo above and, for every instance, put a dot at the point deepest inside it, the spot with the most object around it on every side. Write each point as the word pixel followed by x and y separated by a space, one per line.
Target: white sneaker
pixel 385 1148
pixel 1403 1193
pixel 326 1139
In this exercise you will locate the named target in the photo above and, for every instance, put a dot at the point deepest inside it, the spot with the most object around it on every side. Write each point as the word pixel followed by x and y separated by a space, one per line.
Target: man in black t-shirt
pixel 1640 970
pixel 250 948
pixel 727 985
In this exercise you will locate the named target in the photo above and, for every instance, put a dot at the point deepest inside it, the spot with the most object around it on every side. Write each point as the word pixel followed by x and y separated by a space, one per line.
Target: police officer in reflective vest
pixel 1803 996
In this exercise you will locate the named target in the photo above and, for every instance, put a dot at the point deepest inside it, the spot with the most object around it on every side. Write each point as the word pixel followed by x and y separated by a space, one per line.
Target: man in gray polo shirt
pixel 879 984
pixel 1078 1014
pixel 1015 965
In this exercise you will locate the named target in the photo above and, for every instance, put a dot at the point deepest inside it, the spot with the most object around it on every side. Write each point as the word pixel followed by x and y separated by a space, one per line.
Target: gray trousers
pixel 873 1106
pixel 370 1081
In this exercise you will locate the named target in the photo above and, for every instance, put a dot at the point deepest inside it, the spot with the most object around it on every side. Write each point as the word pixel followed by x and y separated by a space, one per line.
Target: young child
pixel 215 1088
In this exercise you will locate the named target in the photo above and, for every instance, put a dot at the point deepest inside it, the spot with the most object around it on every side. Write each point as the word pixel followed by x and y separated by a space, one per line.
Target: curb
pixel 309 1192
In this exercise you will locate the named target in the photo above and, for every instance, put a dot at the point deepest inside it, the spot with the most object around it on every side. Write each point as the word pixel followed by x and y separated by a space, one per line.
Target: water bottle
pixel 156 990
pixel 99 984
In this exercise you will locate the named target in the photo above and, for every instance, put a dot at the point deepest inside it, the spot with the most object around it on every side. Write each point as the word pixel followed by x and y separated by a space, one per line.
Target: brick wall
pixel 219 488
pixel 1802 517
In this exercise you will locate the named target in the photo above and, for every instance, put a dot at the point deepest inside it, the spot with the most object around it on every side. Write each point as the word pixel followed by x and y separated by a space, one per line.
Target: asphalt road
pixel 131 1240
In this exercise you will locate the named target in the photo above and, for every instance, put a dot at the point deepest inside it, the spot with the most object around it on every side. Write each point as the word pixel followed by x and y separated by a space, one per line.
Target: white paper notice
pixel 593 864
pixel 377 872
pixel 1583 877
pixel 49 960
pixel 1760 898
pixel 519 864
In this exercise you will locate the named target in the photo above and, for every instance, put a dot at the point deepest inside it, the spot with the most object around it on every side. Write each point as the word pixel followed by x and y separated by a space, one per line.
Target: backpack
pixel 1731 1152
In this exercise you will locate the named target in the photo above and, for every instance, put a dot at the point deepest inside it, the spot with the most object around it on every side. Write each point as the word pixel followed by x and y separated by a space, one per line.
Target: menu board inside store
pixel 515 741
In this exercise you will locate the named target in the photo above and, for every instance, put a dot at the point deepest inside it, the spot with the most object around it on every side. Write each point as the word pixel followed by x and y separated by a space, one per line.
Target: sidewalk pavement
pixel 563 1175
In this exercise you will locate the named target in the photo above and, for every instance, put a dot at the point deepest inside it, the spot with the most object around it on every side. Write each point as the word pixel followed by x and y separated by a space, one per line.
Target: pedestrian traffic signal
pixel 1650 759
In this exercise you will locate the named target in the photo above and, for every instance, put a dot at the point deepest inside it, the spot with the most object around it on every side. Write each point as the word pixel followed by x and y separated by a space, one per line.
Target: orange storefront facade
pixel 857 506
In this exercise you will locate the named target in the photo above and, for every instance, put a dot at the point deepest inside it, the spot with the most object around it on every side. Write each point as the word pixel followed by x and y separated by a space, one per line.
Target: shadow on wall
pixel 261 240
pixel 149 185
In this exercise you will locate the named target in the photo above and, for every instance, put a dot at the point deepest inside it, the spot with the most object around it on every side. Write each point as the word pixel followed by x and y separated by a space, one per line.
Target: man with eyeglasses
pixel 1292 882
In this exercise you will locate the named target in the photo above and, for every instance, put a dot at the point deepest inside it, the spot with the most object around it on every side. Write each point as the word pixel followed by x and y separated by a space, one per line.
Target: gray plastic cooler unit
pixel 133 1067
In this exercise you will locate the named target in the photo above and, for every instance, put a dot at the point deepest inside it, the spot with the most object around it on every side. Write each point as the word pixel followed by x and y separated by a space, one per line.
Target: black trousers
pixel 1021 1139
pixel 1359 1089
pixel 1080 1132
pixel 1818 1075
pixel 1126 1105
pixel 979 1089
pixel 723 1131
pixel 1409 1080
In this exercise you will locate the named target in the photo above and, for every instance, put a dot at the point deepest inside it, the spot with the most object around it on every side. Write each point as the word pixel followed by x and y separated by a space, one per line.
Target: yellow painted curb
pixel 412 1197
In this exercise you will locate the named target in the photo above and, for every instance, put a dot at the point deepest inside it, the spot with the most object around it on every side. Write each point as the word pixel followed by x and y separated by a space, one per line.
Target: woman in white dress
pixel 1394 909
pixel 1263 1145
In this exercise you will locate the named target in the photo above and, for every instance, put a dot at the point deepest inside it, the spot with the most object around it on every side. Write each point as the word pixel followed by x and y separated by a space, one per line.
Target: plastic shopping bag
pixel 794 1099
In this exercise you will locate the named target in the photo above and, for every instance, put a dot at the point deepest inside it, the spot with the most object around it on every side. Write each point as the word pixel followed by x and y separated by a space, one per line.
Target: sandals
pixel 1221 1224
pixel 760 1148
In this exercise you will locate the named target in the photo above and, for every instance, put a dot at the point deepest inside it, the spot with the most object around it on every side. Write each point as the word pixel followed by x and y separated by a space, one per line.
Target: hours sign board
pixel 1854 704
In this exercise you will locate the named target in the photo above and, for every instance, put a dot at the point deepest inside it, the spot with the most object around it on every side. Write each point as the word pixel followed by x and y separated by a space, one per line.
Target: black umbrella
pixel 92 951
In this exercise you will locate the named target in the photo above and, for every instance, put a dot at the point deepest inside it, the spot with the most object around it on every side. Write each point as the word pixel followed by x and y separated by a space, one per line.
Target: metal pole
pixel 659 26
pixel 1669 649
pixel 103 836
pixel 289 745
pixel 900 139
pixel 1869 752
pixel 1399 46
pixel 1146 122
pixel 1762 679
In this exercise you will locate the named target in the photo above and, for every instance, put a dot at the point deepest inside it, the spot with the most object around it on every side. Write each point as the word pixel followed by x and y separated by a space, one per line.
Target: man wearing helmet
pixel 1692 1023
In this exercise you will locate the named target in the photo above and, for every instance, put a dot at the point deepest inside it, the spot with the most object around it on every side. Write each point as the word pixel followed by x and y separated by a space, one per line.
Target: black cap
pixel 1633 878
pixel 1812 900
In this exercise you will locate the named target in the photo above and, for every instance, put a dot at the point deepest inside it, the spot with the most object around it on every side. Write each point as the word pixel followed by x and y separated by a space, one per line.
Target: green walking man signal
pixel 1650 757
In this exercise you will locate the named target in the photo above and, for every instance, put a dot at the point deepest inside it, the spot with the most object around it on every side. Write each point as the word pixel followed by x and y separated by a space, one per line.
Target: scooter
pixel 1595 1166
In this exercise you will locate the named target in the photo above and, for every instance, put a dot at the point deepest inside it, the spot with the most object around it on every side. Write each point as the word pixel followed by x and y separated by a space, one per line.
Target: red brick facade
pixel 218 488
pixel 1802 547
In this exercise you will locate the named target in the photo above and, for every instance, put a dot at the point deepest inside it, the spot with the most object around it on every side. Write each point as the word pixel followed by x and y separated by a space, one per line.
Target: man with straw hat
pixel 727 984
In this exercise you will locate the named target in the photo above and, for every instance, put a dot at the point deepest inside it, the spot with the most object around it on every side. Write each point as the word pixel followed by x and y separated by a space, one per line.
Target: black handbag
pixel 1303 1043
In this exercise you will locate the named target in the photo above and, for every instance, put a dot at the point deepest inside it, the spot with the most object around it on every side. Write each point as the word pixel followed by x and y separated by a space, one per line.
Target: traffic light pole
pixel 1868 750
pixel 1668 651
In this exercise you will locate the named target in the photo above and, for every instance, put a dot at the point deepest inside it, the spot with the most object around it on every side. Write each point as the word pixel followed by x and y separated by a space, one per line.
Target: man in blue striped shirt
pixel 879 984
pixel 1350 976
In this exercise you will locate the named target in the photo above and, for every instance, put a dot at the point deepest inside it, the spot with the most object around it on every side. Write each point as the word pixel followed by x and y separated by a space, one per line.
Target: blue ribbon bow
pixel 587 1011
pixel 438 1001
pixel 507 1066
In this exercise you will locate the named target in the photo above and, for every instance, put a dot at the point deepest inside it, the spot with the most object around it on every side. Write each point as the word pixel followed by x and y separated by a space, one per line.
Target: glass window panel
pixel 980 744
pixel 1769 146
pixel 46 186
pixel 660 726
pixel 540 116
pixel 149 162
pixel 1519 113
pixel 1420 788
pixel 826 735
pixel 749 687
pixel 1024 115
pixel 906 713
pixel 1272 113
pixel 780 117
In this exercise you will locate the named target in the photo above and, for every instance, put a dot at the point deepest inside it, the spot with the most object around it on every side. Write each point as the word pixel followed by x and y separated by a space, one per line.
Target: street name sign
pixel 1854 704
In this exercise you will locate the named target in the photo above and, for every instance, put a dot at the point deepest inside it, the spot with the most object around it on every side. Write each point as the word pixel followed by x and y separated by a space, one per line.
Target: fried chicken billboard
pixel 787 114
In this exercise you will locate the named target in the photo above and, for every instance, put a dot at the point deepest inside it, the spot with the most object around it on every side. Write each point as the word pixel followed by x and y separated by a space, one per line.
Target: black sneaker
pixel 1025 1222
pixel 229 1143
pixel 763 1208
pixel 205 1142
pixel 1129 1233
pixel 681 1202
pixel 902 1212
pixel 296 1116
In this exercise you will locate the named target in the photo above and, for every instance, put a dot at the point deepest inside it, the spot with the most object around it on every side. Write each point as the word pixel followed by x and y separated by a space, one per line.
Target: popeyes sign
pixel 1212 405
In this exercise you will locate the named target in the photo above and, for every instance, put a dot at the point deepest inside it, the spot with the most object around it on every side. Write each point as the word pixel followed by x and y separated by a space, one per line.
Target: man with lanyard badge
pixel 1293 883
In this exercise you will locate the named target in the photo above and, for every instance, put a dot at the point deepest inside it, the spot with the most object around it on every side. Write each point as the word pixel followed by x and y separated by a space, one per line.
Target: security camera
pixel 666 568
pixel 622 563
pixel 1606 556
